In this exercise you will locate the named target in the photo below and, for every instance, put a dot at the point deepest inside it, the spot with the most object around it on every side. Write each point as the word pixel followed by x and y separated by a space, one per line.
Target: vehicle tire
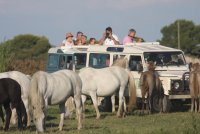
pixel 166 104
pixel 155 103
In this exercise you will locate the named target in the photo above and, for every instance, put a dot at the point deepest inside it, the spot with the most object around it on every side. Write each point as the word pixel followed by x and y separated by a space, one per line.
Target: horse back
pixel 10 90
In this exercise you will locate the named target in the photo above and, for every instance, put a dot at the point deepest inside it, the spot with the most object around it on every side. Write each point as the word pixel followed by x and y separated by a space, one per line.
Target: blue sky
pixel 53 18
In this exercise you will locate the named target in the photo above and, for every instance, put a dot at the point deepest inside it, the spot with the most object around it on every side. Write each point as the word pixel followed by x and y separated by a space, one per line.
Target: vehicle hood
pixel 173 71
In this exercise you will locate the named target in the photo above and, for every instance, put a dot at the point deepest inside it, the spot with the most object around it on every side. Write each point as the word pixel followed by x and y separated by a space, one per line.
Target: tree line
pixel 189 36
pixel 28 53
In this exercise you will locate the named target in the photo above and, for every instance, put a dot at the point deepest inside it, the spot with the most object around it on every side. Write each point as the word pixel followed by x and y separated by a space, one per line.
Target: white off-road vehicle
pixel 170 65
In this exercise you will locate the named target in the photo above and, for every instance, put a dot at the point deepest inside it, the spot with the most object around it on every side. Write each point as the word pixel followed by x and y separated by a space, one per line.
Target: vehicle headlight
pixel 176 85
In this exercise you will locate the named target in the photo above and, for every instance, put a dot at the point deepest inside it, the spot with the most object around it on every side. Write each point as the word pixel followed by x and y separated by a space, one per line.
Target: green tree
pixel 189 36
pixel 24 48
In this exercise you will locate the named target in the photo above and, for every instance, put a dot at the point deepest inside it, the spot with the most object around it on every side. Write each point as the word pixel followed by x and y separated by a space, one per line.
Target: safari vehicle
pixel 170 65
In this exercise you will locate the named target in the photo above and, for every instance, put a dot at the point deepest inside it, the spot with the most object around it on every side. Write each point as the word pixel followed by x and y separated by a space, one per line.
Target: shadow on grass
pixel 49 118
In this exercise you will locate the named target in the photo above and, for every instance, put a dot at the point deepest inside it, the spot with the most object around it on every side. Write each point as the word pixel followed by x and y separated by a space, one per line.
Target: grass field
pixel 168 123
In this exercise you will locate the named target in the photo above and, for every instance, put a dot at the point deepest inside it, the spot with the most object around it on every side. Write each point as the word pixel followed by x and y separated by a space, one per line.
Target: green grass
pixel 170 123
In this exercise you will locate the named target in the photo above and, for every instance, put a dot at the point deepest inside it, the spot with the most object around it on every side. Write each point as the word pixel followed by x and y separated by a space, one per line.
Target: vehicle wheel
pixel 166 104
pixel 155 103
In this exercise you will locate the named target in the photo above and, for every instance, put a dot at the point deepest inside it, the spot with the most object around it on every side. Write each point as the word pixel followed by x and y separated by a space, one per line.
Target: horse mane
pixel 195 67
pixel 121 62
pixel 34 87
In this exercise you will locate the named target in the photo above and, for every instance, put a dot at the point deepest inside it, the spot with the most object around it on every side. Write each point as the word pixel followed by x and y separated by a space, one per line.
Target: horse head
pixel 37 107
pixel 151 66
pixel 121 62
pixel 38 110
pixel 195 67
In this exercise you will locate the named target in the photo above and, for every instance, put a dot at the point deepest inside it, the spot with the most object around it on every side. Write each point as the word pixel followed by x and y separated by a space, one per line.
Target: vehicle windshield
pixel 165 58
pixel 98 60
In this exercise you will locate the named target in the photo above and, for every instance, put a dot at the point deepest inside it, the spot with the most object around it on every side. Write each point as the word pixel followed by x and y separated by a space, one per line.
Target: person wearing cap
pixel 130 38
pixel 68 41
pixel 109 38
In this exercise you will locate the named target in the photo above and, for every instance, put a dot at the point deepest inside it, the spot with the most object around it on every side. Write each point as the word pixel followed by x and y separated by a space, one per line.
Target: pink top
pixel 127 39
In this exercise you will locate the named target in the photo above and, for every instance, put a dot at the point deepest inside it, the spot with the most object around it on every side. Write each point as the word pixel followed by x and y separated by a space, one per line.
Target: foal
pixel 150 84
pixel 10 93
pixel 195 87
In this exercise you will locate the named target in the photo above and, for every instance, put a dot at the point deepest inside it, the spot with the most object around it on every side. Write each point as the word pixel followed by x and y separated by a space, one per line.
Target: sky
pixel 54 18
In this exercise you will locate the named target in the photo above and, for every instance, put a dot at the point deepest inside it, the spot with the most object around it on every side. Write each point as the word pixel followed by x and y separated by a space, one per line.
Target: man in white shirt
pixel 109 38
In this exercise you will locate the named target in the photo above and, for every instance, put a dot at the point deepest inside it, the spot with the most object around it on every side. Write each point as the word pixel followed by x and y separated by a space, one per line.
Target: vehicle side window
pixel 135 63
pixel 69 63
pixel 61 61
pixel 98 60
pixel 80 60
pixel 53 61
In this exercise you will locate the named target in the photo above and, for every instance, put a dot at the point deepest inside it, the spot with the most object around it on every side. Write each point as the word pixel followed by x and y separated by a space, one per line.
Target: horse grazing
pixel 54 89
pixel 24 82
pixel 106 82
pixel 194 84
pixel 10 93
pixel 150 84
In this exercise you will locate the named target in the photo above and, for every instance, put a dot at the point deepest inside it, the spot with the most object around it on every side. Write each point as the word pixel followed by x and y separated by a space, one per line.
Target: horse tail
pixel 132 92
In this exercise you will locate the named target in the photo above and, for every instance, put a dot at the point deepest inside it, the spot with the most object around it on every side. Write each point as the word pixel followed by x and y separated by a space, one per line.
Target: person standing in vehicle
pixel 78 38
pixel 109 38
pixel 92 41
pixel 83 40
pixel 131 38
pixel 68 42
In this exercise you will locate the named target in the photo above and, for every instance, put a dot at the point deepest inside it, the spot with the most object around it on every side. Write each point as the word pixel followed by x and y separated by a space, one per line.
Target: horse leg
pixel 199 104
pixel 78 103
pixel 121 95
pixel 26 104
pixel 8 116
pixel 83 98
pixel 124 108
pixel 62 115
pixel 94 100
pixel 192 104
pixel 1 114
pixel 195 105
pixel 113 103
pixel 24 114
pixel 19 116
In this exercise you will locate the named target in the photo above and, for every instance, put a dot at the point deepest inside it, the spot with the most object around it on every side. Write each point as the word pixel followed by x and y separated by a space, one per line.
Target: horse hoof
pixel 80 127
pixel 98 117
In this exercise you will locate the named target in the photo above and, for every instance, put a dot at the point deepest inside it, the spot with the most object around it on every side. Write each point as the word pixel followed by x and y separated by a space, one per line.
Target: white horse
pixel 24 82
pixel 54 89
pixel 106 82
